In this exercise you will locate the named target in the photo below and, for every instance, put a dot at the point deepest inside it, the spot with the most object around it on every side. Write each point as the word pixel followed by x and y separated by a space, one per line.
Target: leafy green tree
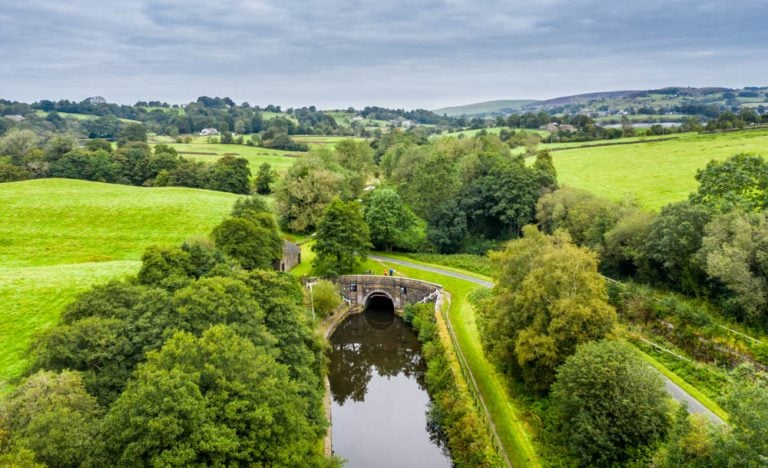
pixel 325 297
pixel 135 160
pixel 264 179
pixel 58 146
pixel 355 156
pixel 673 240
pixel 342 238
pixel 548 298
pixel 251 244
pixel 169 267
pixel 607 404
pixel 54 417
pixel 740 181
pixel 188 173
pixel 132 132
pixel 498 196
pixel 245 207
pixel 230 174
pixel 94 345
pixel 544 170
pixel 11 173
pixel 447 227
pixel 98 144
pixel 391 222
pixel 587 218
pixel 735 253
pixel 17 143
pixel 213 400
pixel 747 407
pixel 306 190
pixel 210 301
pixel 626 244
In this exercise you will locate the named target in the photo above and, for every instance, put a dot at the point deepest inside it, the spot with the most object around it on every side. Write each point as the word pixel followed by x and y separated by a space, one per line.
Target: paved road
pixel 675 391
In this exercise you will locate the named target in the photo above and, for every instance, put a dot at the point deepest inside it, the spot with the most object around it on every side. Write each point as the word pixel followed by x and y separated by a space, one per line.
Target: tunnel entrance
pixel 379 311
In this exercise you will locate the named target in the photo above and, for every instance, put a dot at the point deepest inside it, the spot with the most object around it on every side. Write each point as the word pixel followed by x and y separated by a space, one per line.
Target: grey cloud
pixel 399 52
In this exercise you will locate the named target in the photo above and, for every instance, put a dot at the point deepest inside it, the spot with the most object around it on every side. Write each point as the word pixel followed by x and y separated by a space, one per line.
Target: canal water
pixel 380 403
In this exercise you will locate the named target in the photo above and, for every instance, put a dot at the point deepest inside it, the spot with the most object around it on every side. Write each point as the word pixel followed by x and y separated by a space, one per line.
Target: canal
pixel 380 402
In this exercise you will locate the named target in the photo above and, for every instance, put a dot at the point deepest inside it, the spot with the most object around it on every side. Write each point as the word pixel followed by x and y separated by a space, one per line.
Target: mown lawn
pixel 654 173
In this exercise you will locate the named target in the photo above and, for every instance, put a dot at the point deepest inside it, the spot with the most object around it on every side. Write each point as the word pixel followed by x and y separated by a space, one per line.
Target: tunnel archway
pixel 379 310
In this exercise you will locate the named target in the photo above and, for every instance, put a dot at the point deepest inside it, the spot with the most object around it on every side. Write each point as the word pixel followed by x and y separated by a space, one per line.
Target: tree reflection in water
pixel 374 341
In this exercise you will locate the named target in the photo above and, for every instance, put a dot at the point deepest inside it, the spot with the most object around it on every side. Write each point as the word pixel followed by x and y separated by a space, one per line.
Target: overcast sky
pixel 395 53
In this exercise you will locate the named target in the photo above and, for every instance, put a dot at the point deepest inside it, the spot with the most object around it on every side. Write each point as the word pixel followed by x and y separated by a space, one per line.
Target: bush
pixel 325 297
pixel 608 405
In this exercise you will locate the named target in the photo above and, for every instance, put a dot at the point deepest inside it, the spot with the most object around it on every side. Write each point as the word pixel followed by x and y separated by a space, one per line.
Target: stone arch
pixel 378 293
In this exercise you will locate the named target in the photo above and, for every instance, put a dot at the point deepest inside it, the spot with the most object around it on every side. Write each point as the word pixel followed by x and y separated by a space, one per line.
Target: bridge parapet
pixel 359 289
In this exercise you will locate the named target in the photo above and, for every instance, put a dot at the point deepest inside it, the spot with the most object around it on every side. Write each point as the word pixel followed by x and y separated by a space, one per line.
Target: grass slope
pixel 655 173
pixel 58 237
pixel 55 221
pixel 483 107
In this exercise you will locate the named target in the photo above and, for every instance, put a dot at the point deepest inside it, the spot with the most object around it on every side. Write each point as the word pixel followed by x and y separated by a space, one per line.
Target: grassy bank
pixel 507 415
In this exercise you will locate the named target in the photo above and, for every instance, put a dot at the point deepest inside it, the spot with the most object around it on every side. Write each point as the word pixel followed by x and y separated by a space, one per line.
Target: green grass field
pixel 58 237
pixel 210 152
pixel 72 115
pixel 654 173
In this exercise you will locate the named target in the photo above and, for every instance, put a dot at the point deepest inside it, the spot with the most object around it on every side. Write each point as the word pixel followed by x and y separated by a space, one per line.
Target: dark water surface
pixel 379 399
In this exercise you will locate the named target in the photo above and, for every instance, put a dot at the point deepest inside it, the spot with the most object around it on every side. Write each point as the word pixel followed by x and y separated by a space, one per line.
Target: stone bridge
pixel 361 289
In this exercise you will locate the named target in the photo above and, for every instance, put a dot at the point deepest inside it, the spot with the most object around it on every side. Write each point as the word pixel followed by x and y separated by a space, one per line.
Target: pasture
pixel 58 237
pixel 201 150
pixel 654 173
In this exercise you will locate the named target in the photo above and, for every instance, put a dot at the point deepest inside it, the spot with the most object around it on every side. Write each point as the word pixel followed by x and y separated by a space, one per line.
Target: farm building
pixel 15 118
pixel 209 132
pixel 291 257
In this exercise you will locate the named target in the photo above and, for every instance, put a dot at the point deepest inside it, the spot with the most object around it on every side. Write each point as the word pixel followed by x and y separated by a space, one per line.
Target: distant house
pixel 15 117
pixel 209 132
pixel 554 127
pixel 357 118
pixel 291 257
pixel 551 127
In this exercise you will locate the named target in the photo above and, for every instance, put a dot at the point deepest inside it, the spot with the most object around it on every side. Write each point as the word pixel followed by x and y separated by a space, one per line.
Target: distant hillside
pixel 482 108
pixel 586 97
pixel 669 103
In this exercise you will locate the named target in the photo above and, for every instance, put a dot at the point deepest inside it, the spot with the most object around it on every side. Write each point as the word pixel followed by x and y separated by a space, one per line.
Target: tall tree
pixel 548 298
pixel 342 238
pixel 391 222
pixel 264 179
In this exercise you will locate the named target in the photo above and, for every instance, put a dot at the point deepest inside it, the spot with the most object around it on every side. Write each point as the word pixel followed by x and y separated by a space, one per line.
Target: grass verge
pixel 693 391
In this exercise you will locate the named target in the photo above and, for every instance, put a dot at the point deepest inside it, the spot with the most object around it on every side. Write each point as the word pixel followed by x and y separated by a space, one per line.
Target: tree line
pixel 25 155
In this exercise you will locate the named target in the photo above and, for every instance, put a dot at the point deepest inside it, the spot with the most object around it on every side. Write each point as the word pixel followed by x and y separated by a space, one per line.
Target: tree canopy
pixel 342 237
pixel 548 299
